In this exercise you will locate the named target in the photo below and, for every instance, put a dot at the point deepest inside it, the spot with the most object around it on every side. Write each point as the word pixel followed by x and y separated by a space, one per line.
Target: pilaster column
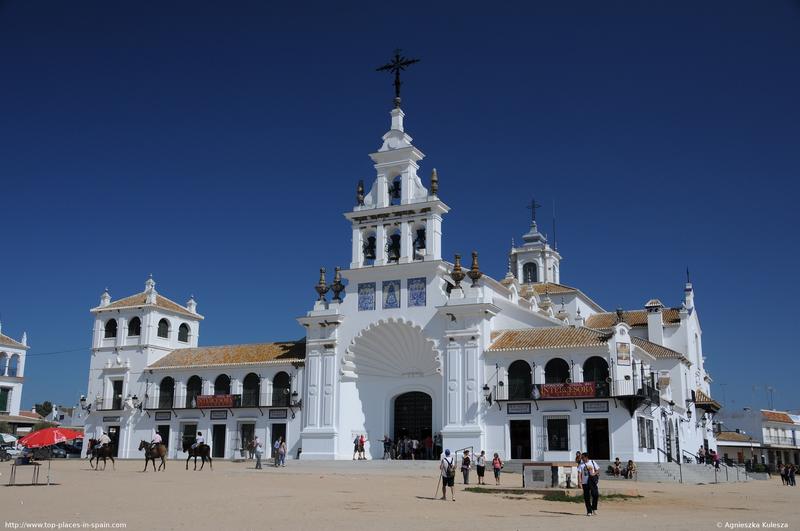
pixel 380 245
pixel 311 400
pixel 406 243
pixel 328 398
pixel 471 388
pixel 358 246
pixel 454 380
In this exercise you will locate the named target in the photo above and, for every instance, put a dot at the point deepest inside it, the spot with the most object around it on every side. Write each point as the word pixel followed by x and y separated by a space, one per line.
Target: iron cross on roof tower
pixel 532 207
pixel 395 66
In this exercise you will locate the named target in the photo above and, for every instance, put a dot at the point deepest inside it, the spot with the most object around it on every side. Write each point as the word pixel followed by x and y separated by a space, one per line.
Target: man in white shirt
pixel 104 440
pixel 589 475
pixel 447 466
pixel 199 440
pixel 156 439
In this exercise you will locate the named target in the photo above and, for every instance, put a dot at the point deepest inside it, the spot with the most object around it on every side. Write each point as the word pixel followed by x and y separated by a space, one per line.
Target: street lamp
pixel 487 394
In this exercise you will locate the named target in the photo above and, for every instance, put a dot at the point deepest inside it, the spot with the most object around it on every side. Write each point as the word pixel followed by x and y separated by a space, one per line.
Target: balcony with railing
pixel 780 440
pixel 247 399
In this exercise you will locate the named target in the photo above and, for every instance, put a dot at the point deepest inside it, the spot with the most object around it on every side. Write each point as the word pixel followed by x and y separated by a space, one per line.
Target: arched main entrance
pixel 413 417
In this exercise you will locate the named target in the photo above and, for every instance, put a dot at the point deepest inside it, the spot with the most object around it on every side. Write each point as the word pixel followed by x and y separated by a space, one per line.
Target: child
pixel 497 465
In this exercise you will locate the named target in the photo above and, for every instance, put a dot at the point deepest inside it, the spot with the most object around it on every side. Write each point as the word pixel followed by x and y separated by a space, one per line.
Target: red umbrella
pixel 49 437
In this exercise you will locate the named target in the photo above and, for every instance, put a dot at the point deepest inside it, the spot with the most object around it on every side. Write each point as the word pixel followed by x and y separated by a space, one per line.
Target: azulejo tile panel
pixel 391 294
pixel 416 291
pixel 366 296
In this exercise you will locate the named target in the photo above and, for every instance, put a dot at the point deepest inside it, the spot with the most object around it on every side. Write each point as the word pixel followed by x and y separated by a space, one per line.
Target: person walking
pixel 447 469
pixel 466 464
pixel 282 453
pixel 428 442
pixel 701 455
pixel 258 450
pixel 589 476
pixel 361 442
pixel 387 447
pixel 497 466
pixel 355 447
pixel 275 446
pixel 480 467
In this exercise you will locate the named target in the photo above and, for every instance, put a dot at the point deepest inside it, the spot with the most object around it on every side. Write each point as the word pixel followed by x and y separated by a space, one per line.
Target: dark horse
pixel 203 451
pixel 153 452
pixel 96 454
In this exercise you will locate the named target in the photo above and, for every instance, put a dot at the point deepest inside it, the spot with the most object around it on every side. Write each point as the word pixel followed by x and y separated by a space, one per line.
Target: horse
pixel 202 450
pixel 95 454
pixel 151 452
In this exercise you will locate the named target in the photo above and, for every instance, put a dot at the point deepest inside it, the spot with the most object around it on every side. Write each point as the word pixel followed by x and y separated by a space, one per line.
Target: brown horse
pixel 202 450
pixel 152 452
pixel 96 454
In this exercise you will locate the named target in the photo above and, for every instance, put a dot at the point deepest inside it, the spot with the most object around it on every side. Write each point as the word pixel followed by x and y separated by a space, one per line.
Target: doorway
pixel 597 443
pixel 189 436
pixel 163 430
pixel 413 416
pixel 279 430
pixel 218 433
pixel 247 432
pixel 520 431
pixel 113 434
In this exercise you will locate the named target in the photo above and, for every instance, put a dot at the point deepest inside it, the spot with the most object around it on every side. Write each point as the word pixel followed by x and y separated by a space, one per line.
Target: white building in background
pixel 775 434
pixel 409 344
pixel 12 375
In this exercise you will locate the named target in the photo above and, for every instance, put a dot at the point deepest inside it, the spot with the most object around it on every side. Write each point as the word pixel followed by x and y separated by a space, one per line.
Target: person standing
pixel 282 452
pixel 355 448
pixel 428 447
pixel 257 450
pixel 387 447
pixel 447 468
pixel 480 467
pixel 361 442
pixel 497 466
pixel 275 446
pixel 466 464
pixel 588 475
pixel 701 455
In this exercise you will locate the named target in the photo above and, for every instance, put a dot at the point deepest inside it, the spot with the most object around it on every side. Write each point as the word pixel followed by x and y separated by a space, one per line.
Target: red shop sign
pixel 568 390
pixel 204 401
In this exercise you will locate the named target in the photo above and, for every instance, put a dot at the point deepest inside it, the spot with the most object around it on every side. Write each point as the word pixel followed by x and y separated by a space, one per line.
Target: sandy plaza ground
pixel 363 495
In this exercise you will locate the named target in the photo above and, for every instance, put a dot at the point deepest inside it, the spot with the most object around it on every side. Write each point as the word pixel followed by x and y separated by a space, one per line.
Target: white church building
pixel 405 343
pixel 12 377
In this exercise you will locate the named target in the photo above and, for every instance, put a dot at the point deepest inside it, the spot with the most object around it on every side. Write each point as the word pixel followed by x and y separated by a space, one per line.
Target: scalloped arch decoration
pixel 392 348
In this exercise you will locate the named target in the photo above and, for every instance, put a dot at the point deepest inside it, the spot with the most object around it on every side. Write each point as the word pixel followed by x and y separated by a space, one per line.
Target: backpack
pixel 450 470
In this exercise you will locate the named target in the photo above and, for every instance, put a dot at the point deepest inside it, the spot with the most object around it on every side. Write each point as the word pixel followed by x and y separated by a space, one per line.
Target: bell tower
pixel 535 261
pixel 399 220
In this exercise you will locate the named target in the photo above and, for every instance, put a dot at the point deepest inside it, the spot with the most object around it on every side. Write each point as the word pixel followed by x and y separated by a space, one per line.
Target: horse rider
pixel 199 440
pixel 103 440
pixel 156 439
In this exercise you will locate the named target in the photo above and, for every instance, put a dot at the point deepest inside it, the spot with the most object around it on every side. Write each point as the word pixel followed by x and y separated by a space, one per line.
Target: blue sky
pixel 216 145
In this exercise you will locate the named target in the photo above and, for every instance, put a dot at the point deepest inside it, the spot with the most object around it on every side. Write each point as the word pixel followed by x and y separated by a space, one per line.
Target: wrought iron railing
pixel 779 439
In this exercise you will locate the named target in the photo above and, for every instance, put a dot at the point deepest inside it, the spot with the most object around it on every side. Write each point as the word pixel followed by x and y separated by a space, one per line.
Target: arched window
pixel 183 333
pixel 3 363
pixel 13 365
pixel 163 328
pixel 393 247
pixel 194 387
pixel 111 328
pixel 419 243
pixel 222 385
pixel 281 387
pixel 368 247
pixel 530 273
pixel 595 369
pixel 135 327
pixel 520 384
pixel 556 371
pixel 395 190
pixel 166 393
pixel 251 389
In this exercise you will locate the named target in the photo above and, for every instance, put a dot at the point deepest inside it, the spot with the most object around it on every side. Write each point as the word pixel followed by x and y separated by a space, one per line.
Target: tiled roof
pixel 548 337
pixel 776 416
pixel 702 399
pixel 552 288
pixel 658 351
pixel 733 437
pixel 253 354
pixel 140 299
pixel 31 415
pixel 5 340
pixel 631 317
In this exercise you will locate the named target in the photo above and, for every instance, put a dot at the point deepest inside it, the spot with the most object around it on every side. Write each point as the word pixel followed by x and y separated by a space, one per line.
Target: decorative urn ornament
pixel 337 287
pixel 457 274
pixel 434 183
pixel 321 287
pixel 474 272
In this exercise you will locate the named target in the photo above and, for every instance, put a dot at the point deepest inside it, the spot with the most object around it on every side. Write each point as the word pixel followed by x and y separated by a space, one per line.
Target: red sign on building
pixel 568 390
pixel 204 401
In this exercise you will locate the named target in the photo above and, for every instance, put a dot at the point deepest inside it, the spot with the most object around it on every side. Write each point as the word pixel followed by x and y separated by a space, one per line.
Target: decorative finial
pixel 620 315
pixel 396 65
pixel 532 207
pixel 321 287
pixel 688 280
pixel 434 183
pixel 337 287
pixel 457 274
pixel 474 272
pixel 360 193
